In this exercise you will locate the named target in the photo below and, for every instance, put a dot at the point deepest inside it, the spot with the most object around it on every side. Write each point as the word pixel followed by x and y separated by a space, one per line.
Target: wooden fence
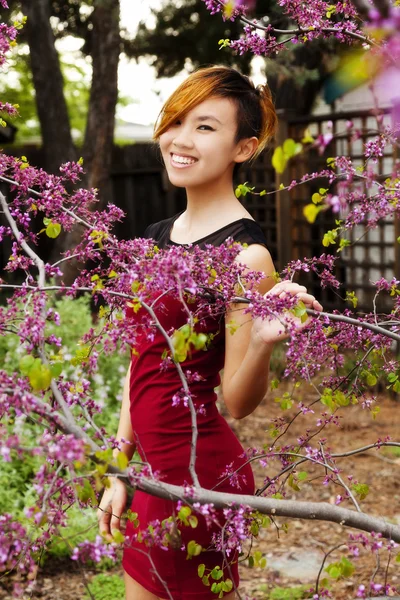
pixel 141 188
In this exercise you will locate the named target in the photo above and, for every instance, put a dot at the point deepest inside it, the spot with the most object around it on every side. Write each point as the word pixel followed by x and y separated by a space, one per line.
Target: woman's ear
pixel 245 149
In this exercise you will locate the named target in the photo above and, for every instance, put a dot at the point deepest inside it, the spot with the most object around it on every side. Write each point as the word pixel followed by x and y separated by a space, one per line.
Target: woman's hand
pixel 111 508
pixel 270 331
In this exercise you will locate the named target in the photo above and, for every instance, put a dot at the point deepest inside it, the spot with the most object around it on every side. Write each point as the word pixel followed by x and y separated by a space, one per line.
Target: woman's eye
pixel 206 128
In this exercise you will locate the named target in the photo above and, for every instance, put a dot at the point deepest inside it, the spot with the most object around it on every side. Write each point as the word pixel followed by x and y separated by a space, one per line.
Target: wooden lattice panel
pixel 375 254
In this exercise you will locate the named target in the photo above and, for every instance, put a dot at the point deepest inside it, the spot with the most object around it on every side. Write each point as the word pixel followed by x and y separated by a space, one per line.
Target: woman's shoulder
pixel 159 230
pixel 246 231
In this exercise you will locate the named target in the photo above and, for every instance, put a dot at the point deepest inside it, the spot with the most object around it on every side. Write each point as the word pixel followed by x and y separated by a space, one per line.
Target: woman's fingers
pixel 104 519
pixel 111 508
pixel 294 289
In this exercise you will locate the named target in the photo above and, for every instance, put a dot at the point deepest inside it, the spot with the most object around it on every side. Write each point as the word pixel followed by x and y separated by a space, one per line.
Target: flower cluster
pixel 94 551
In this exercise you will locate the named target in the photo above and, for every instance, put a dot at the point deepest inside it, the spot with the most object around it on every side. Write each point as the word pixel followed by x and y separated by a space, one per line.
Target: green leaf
pixel 302 475
pixel 193 521
pixel 343 244
pixel 316 198
pixel 193 549
pixel 327 399
pixel 310 211
pixel 279 160
pixel 329 237
pixel 132 516
pixel 184 512
pixel 39 376
pixel 217 573
pixel 201 570
pixel 85 492
pixel 122 461
pixel 56 369
pixel 118 537
pixel 274 384
pixel 289 147
pixel 351 296
pixel 224 43
pixel 292 483
pixel 199 340
pixel 205 580
pixel 347 567
pixel 361 490
pixel 53 230
pixel 371 379
pixel 341 399
pixel 254 528
pixel 26 363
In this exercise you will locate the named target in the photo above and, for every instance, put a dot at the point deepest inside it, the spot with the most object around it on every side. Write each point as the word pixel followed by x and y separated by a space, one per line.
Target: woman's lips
pixel 179 165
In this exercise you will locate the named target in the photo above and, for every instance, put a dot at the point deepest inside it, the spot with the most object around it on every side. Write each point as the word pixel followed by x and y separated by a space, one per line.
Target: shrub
pixel 107 587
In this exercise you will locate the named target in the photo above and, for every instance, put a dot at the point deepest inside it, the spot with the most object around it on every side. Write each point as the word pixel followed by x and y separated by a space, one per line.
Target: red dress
pixel 163 435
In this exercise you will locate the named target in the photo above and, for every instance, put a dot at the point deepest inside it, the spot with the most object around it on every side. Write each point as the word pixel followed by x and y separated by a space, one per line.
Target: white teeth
pixel 186 160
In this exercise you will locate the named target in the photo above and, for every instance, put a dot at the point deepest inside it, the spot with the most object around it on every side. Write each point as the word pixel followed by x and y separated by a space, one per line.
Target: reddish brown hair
pixel 255 109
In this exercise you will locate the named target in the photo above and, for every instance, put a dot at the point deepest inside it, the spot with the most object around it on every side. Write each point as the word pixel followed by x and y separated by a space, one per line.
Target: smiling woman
pixel 215 121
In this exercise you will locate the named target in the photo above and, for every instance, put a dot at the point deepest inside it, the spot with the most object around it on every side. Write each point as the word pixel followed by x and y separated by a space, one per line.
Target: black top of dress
pixel 242 230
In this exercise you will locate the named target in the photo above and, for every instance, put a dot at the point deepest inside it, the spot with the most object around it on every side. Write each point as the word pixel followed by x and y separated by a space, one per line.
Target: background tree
pixel 295 76
pixel 17 86
pixel 98 23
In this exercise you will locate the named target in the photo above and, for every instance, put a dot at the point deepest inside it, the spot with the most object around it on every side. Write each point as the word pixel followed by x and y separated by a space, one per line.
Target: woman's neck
pixel 214 204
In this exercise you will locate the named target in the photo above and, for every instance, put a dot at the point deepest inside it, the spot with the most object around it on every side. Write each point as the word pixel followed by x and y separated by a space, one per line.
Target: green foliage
pixel 283 153
pixel 343 568
pixel 17 476
pixel 294 593
pixel 257 560
pixel 193 549
pixel 17 86
pixel 106 587
pixel 243 189
pixel 82 525
pixel 169 44
pixel 16 489
pixel 185 337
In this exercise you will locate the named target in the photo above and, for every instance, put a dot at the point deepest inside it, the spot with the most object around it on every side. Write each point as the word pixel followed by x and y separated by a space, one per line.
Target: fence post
pixel 283 213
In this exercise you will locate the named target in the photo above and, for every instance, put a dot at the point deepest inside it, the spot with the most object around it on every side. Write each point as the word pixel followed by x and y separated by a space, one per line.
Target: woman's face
pixel 200 148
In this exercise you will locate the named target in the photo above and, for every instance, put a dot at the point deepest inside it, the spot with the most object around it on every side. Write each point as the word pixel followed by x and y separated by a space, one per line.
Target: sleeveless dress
pixel 163 435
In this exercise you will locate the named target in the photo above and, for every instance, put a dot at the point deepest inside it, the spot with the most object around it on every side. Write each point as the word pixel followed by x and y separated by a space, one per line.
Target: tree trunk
pixel 49 86
pixel 99 134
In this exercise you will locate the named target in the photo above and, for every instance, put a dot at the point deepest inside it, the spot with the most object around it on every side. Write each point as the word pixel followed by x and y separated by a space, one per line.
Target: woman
pixel 215 121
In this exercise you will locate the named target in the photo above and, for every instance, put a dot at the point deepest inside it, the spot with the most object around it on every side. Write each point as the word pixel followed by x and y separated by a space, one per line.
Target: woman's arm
pixel 115 496
pixel 248 350
pixel 246 368
pixel 125 427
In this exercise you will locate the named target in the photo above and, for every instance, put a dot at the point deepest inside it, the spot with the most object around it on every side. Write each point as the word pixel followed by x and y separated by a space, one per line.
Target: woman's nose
pixel 182 138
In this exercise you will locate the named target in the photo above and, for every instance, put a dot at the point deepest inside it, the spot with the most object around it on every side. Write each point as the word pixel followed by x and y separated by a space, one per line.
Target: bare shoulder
pixel 258 258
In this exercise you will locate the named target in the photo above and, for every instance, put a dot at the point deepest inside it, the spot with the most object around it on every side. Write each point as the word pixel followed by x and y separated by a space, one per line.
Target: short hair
pixel 255 108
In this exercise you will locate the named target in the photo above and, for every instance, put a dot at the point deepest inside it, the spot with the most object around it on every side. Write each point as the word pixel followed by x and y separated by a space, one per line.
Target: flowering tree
pixel 55 391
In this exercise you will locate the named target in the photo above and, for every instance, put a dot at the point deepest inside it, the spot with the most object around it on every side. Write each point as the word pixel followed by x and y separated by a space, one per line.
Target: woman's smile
pixel 182 160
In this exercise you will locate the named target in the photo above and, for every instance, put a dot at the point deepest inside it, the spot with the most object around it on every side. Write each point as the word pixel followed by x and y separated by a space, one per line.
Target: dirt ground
pixel 293 557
